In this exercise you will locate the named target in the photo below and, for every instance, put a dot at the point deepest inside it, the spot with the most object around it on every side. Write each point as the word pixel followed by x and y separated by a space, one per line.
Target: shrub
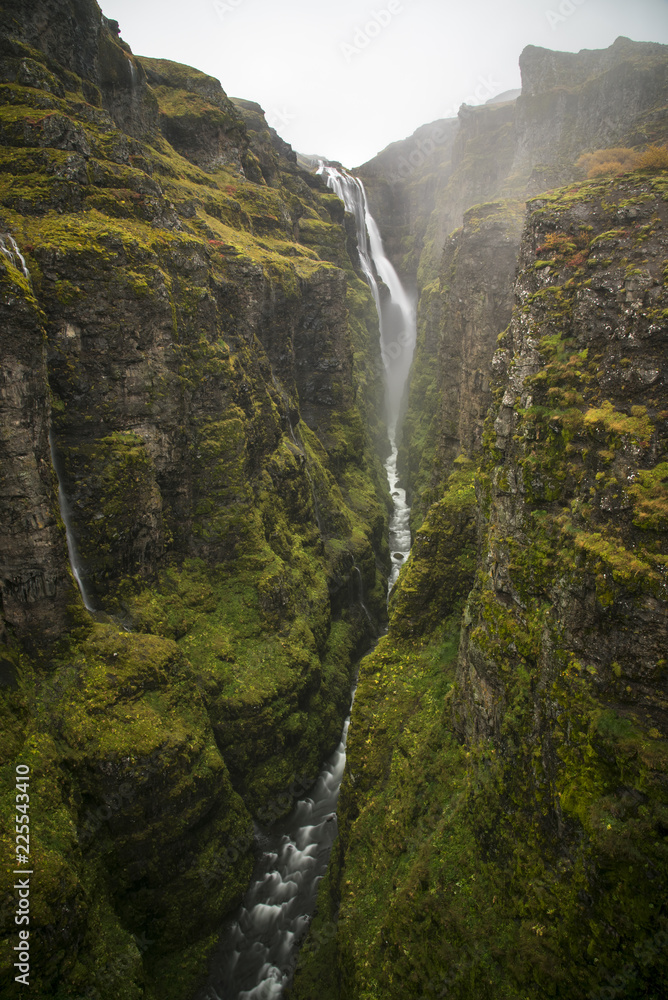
pixel 619 160
pixel 653 158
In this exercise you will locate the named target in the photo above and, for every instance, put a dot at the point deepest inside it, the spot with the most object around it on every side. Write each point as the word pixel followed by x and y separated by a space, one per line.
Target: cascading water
pixel 15 257
pixel 397 342
pixel 75 562
pixel 13 254
pixel 257 954
pixel 258 951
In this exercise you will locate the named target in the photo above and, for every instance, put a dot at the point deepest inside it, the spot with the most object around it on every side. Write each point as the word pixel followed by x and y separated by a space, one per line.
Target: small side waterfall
pixel 10 250
pixel 65 513
pixel 13 254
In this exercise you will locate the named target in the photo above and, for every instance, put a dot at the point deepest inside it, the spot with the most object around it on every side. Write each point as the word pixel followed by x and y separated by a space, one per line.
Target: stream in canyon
pixel 258 951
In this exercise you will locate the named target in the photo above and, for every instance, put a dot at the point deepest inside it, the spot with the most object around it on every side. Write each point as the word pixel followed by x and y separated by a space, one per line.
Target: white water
pixel 397 343
pixel 65 513
pixel 396 315
pixel 13 254
pixel 15 257
pixel 400 521
pixel 257 953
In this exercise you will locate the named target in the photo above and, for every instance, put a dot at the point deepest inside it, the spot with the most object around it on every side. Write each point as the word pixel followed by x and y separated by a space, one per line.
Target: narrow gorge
pixel 237 383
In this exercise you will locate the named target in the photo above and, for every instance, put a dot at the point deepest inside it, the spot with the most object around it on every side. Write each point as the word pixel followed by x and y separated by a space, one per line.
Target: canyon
pixel 198 423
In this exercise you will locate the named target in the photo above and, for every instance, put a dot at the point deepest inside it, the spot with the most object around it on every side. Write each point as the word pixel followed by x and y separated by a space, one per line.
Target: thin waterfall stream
pixel 258 950
pixel 75 561
pixel 15 257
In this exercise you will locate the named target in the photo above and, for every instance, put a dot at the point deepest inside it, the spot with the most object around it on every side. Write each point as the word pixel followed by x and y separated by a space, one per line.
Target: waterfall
pixel 65 513
pixel 16 258
pixel 257 952
pixel 13 254
pixel 397 342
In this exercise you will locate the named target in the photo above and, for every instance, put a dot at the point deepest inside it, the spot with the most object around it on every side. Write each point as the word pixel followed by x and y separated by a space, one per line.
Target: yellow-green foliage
pixel 245 625
pixel 527 861
pixel 637 425
pixel 119 714
pixel 620 160
pixel 655 157
pixel 439 571
pixel 617 160
pixel 650 496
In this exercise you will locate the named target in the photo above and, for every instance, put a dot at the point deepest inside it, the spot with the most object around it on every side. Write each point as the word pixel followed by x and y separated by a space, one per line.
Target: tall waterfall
pixel 397 341
pixel 258 950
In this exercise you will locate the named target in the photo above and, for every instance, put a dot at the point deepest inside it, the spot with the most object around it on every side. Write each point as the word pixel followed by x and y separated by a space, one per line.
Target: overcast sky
pixel 344 78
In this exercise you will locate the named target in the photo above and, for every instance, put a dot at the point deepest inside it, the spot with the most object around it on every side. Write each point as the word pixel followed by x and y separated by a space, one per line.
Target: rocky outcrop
pixel 459 321
pixel 579 431
pixel 572 102
pixel 196 116
pixel 508 150
pixel 37 588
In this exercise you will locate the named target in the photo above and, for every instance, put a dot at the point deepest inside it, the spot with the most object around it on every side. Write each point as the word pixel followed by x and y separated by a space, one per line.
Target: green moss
pixel 637 425
pixel 650 496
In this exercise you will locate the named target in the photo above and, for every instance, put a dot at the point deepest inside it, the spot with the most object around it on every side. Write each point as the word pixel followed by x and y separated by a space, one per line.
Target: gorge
pixel 213 358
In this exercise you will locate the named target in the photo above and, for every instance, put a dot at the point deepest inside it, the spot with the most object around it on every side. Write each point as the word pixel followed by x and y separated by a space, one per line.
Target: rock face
pixel 37 585
pixel 460 318
pixel 569 103
pixel 517 787
pixel 587 335
pixel 587 100
pixel 191 346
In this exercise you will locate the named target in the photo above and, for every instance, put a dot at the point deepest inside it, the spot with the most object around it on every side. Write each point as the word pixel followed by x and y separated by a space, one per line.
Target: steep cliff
pixel 192 350
pixel 569 104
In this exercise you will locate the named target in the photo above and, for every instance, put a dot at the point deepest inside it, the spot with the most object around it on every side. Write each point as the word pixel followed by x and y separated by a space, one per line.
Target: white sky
pixel 332 87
